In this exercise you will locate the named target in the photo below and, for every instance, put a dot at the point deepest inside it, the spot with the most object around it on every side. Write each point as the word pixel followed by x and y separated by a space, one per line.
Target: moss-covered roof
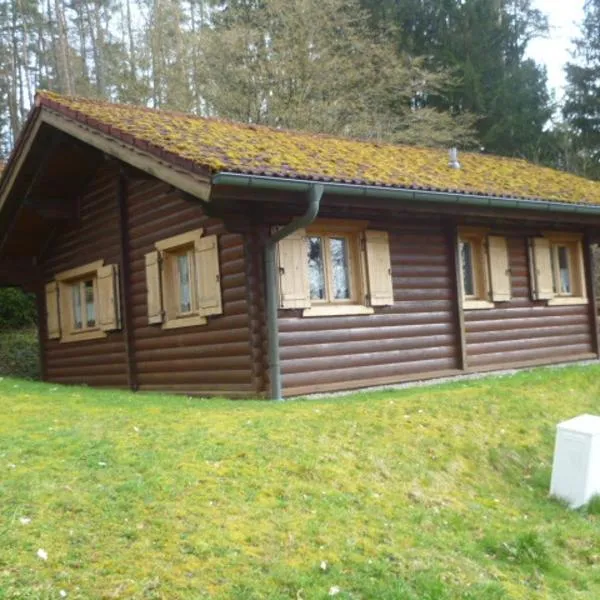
pixel 216 145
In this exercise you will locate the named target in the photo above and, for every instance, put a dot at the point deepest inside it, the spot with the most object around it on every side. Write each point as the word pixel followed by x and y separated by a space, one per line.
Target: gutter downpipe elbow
pixel 315 193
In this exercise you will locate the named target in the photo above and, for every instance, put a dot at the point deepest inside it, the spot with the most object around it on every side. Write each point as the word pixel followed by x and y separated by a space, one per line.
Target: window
pixel 83 303
pixel 334 268
pixel 484 268
pixel 329 269
pixel 469 274
pixel 556 266
pixel 183 280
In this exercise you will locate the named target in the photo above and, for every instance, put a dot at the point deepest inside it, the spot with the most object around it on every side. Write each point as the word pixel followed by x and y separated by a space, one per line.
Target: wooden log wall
pixel 215 358
pixel 210 359
pixel 419 336
pixel 93 236
pixel 414 338
pixel 524 331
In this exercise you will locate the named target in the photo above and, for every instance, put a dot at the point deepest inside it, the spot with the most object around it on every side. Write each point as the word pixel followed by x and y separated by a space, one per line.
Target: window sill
pixel 477 304
pixel 334 310
pixel 82 336
pixel 184 322
pixel 565 301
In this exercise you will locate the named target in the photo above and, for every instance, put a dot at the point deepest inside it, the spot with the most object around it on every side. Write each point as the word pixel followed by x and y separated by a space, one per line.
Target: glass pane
pixel 185 292
pixel 90 308
pixel 76 298
pixel 339 264
pixel 564 270
pixel 316 272
pixel 466 258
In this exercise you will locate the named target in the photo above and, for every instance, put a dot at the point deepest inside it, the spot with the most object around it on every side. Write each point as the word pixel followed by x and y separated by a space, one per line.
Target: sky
pixel 564 17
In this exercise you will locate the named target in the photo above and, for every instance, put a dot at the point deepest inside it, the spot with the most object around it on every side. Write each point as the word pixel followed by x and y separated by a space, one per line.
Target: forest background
pixel 433 72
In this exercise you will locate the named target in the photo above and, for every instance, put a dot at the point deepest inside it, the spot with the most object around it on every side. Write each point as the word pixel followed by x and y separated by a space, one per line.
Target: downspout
pixel 315 193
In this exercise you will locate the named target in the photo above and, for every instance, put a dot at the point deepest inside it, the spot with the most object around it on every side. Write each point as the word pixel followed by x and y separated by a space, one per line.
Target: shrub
pixel 19 354
pixel 17 309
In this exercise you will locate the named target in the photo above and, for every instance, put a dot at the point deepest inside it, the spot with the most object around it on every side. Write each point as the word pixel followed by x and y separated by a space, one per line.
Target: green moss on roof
pixel 222 145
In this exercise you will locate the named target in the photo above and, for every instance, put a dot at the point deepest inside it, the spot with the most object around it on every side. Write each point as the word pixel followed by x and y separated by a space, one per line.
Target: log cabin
pixel 200 256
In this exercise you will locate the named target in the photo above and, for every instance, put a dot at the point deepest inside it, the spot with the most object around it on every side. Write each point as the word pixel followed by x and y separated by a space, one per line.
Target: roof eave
pixel 399 193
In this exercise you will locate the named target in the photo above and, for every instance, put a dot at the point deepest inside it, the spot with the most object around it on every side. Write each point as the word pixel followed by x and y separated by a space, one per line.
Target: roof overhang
pixel 194 184
pixel 405 194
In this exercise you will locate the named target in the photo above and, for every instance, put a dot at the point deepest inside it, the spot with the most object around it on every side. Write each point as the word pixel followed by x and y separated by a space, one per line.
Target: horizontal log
pixel 311 366
pixel 420 272
pixel 221 364
pixel 185 218
pixel 527 324
pixel 232 313
pixel 403 283
pixel 343 385
pixel 147 353
pixel 371 335
pixel 417 259
pixel 524 333
pixel 558 354
pixel 85 371
pixel 152 337
pixel 324 351
pixel 525 364
pixel 98 347
pixel 76 361
pixel 359 375
pixel 223 377
pixel 401 315
pixel 532 343
pixel 524 313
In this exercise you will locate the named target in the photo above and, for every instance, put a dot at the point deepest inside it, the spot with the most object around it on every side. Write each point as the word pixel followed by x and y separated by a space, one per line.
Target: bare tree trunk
pixel 63 66
pixel 99 50
pixel 132 61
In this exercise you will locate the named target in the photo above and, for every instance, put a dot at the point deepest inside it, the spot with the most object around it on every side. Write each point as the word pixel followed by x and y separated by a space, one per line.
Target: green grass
pixel 424 494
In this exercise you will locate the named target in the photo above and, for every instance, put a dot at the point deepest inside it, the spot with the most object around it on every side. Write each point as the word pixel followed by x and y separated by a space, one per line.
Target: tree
pixel 315 65
pixel 484 43
pixel 582 105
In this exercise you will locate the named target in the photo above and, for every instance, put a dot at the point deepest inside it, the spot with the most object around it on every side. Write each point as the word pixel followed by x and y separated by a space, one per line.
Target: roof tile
pixel 218 145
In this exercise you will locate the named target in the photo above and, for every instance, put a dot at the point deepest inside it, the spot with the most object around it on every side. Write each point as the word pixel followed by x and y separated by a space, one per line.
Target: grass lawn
pixel 425 493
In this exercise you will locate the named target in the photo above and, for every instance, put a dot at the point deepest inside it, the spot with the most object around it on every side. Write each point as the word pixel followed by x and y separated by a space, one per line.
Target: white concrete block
pixel 576 466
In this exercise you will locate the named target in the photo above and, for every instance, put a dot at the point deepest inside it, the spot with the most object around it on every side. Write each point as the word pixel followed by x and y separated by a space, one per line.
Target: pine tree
pixel 582 105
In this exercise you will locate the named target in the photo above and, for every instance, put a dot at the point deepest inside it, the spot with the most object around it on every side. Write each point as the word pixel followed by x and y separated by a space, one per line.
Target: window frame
pixel 573 242
pixel 477 238
pixel 351 231
pixel 66 280
pixel 169 250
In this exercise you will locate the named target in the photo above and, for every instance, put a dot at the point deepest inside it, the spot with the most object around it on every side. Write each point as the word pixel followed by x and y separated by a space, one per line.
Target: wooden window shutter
pixel 208 278
pixel 379 268
pixel 52 314
pixel 108 306
pixel 153 287
pixel 499 268
pixel 294 289
pixel 541 269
